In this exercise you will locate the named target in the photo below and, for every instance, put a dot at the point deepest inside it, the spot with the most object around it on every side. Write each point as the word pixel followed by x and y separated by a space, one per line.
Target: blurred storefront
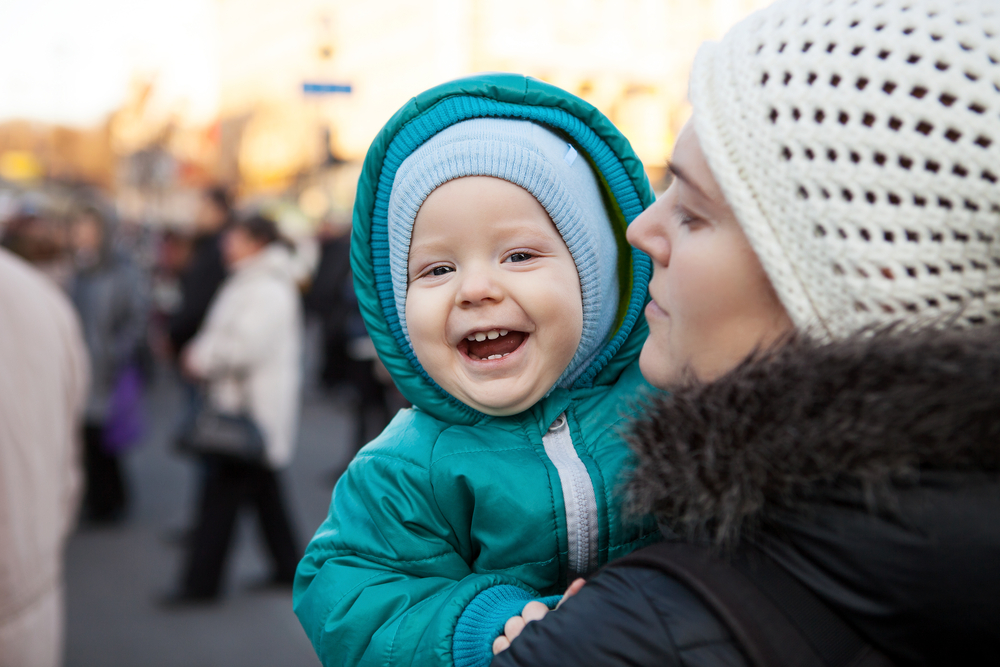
pixel 272 138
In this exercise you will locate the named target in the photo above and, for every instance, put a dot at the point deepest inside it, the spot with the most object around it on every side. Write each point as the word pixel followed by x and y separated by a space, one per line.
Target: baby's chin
pixel 499 403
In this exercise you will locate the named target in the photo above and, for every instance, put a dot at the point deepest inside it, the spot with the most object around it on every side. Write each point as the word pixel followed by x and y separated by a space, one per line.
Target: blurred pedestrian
pixel 205 270
pixel 43 381
pixel 109 293
pixel 247 354
pixel 38 240
pixel 349 357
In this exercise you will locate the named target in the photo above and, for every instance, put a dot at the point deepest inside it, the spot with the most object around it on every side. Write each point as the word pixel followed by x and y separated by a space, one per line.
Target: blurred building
pixel 630 58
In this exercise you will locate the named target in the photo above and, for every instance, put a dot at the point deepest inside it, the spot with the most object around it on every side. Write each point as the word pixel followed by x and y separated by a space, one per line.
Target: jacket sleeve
pixel 246 336
pixel 626 616
pixel 383 581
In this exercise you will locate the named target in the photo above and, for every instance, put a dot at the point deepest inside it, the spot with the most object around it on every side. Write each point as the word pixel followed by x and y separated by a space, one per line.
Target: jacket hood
pixel 275 260
pixel 859 417
pixel 619 171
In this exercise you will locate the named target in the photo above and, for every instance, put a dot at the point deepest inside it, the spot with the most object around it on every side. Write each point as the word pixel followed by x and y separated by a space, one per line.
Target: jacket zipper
pixel 578 498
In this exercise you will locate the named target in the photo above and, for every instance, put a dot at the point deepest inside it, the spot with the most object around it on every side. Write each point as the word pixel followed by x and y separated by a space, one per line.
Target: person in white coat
pixel 247 354
pixel 43 390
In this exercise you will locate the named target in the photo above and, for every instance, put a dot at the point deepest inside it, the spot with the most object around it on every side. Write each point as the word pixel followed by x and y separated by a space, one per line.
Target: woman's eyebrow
pixel 681 175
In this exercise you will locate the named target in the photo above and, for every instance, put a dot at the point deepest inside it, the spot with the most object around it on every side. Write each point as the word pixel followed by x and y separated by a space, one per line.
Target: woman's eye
pixel 520 257
pixel 686 219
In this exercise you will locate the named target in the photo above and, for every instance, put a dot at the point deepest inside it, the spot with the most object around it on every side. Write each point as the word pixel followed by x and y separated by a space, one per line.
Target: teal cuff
pixel 483 621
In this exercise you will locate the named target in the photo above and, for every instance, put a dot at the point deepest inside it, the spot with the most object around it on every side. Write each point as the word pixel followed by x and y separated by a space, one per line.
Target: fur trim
pixel 717 460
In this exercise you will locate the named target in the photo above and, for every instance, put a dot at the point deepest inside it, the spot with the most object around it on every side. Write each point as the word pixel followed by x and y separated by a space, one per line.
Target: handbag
pixel 233 436
pixel 126 423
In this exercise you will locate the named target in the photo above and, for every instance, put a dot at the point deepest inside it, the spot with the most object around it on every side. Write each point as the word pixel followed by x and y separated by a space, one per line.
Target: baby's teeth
pixel 493 356
pixel 480 336
pixel 493 335
pixel 506 354
pixel 472 337
pixel 503 332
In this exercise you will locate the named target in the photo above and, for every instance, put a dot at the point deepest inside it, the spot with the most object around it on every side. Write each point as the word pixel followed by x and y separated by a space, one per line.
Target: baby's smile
pixel 492 344
pixel 494 307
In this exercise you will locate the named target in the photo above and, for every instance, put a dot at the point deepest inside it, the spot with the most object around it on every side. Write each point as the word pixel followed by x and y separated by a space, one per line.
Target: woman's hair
pixel 260 228
pixel 858 143
pixel 220 198
pixel 32 238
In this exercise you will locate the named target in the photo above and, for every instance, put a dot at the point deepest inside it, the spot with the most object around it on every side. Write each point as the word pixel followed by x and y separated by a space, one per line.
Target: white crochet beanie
pixel 858 143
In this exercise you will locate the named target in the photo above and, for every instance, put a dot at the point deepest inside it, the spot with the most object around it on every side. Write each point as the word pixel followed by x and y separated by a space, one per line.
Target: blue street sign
pixel 325 88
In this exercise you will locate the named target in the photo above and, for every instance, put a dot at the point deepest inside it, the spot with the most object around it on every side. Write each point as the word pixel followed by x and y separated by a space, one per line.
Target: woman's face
pixel 86 234
pixel 237 245
pixel 712 304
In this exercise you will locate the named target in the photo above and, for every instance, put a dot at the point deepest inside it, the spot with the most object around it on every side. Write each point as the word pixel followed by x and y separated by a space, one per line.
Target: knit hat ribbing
pixel 545 165
pixel 858 143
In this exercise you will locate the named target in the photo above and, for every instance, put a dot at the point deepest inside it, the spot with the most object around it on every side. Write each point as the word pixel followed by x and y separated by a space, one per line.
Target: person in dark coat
pixel 349 358
pixel 826 320
pixel 206 269
pixel 110 295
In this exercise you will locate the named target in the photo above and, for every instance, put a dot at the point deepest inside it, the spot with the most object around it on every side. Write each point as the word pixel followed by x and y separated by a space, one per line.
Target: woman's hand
pixel 573 589
pixel 188 370
pixel 533 611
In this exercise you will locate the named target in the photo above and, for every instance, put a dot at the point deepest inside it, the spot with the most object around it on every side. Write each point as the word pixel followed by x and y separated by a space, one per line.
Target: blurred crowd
pixel 218 306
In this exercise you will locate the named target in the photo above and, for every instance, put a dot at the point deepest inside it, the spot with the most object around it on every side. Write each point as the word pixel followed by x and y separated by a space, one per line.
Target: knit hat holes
pixel 536 159
pixel 857 142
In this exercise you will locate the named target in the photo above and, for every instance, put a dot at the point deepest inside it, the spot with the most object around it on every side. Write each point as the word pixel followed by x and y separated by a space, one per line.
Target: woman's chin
pixel 657 365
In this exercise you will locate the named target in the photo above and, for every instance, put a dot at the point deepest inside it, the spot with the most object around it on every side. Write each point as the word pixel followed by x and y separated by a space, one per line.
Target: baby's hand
pixel 533 611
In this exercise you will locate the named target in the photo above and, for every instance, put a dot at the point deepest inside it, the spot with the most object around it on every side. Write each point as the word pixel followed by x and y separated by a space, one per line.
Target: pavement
pixel 115 574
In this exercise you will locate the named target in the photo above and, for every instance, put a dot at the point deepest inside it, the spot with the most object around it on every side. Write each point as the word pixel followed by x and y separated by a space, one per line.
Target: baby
pixel 491 267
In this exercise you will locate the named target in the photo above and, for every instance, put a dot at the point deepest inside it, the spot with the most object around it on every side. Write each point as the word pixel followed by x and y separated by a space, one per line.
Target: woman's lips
pixel 653 310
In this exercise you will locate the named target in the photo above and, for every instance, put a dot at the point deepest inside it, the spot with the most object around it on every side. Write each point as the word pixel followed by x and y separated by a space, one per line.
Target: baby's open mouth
pixel 490 345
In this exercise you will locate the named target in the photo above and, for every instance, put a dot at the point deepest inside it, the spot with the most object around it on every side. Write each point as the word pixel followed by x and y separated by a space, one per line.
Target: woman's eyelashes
pixel 686 218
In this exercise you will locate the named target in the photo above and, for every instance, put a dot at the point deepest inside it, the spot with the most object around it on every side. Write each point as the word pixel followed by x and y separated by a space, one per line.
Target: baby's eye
pixel 440 270
pixel 520 257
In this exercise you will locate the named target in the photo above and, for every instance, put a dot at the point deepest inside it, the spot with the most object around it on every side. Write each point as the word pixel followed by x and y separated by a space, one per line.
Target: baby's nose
pixel 478 287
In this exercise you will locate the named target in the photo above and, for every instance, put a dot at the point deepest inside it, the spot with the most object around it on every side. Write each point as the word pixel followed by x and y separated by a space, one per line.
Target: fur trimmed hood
pixel 719 460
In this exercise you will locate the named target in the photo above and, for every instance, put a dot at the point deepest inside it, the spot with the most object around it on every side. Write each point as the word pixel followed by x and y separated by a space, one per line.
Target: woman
pixel 109 293
pixel 247 356
pixel 824 308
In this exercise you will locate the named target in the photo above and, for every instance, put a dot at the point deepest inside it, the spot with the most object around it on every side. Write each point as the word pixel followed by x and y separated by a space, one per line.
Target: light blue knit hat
pixel 549 168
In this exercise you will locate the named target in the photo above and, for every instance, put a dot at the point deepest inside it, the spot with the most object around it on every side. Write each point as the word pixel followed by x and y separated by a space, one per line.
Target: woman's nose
pixel 648 233
pixel 478 286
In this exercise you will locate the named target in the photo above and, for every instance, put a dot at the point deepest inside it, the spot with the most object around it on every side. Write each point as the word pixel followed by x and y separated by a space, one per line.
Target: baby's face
pixel 493 307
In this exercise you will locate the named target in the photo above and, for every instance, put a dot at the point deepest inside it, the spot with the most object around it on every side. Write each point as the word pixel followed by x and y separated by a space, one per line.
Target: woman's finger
pixel 534 611
pixel 501 643
pixel 573 589
pixel 513 627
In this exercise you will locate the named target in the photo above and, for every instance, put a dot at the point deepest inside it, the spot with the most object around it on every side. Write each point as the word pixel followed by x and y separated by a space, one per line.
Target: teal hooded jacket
pixel 446 524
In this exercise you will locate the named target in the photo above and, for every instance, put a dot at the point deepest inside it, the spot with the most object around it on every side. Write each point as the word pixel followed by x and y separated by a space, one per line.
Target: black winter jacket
pixel 199 282
pixel 869 469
